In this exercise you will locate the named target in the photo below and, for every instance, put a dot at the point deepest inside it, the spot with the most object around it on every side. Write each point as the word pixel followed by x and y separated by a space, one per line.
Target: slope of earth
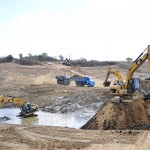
pixel 121 116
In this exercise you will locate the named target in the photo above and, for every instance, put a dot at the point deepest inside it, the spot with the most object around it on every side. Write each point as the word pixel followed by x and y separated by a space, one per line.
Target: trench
pixel 71 120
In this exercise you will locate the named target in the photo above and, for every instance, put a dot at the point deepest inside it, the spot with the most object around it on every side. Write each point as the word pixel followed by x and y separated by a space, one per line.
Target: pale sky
pixel 91 29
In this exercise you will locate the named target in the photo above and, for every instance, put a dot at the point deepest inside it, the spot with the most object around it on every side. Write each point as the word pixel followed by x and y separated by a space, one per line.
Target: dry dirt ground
pixel 14 137
pixel 37 84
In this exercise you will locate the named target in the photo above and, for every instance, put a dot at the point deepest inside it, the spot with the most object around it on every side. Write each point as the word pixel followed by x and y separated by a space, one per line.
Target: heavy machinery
pixel 114 72
pixel 27 110
pixel 66 62
pixel 63 80
pixel 82 81
pixel 79 80
pixel 132 85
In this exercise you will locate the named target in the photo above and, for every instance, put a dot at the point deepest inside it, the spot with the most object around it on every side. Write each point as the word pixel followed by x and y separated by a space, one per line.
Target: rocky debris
pixel 85 100
pixel 121 116
pixel 5 118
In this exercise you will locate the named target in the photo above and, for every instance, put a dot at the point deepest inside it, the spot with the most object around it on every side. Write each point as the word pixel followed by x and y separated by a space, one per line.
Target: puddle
pixel 72 120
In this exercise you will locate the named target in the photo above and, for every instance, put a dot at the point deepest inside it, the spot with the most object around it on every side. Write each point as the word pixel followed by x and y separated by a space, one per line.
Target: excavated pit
pixel 133 114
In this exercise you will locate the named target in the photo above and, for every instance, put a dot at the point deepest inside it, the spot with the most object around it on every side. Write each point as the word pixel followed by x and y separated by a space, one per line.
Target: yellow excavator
pixel 114 72
pixel 133 85
pixel 27 110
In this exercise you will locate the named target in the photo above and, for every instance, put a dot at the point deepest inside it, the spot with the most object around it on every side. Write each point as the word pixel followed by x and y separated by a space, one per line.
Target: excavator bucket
pixel 26 115
pixel 106 83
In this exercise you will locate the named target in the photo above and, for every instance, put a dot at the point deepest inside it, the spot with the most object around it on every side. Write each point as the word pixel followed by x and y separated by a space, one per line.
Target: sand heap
pixel 121 116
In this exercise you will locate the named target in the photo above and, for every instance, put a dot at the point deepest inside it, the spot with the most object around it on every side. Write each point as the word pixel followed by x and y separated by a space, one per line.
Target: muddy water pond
pixel 72 120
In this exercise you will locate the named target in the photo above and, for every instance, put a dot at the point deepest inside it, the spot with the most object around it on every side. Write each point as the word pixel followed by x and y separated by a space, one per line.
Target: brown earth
pixel 15 137
pixel 121 116
pixel 37 84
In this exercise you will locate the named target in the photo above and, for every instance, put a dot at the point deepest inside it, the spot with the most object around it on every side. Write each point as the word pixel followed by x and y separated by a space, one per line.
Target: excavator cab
pixel 135 85
pixel 28 110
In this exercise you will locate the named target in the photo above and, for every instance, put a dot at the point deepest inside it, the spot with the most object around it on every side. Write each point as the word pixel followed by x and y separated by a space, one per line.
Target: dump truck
pixel 79 80
pixel 63 80
pixel 82 81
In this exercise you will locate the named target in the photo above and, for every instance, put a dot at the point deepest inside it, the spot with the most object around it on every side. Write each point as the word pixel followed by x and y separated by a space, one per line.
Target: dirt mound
pixel 76 76
pixel 121 116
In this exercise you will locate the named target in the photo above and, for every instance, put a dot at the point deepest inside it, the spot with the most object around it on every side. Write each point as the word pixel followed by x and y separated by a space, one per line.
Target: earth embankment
pixel 133 114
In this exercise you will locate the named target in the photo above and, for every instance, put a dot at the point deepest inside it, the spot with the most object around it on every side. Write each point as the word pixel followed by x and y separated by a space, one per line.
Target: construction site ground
pixel 37 84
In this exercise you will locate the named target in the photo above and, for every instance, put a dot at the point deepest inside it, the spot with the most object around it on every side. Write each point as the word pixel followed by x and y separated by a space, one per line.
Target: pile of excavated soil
pixel 121 116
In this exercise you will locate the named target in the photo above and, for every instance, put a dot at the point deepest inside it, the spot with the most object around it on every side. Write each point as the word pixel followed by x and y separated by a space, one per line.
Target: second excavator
pixel 27 109
pixel 114 72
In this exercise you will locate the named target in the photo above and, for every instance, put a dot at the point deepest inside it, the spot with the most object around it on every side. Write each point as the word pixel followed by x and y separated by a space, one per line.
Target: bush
pixel 92 63
pixel 27 62
pixel 6 59
pixel 42 58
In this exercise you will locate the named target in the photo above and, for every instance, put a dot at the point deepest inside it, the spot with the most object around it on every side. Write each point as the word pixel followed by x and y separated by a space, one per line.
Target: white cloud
pixel 103 30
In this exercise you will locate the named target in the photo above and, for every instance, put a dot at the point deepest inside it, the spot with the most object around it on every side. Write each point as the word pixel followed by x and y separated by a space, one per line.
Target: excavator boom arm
pixel 136 64
pixel 11 99
pixel 114 72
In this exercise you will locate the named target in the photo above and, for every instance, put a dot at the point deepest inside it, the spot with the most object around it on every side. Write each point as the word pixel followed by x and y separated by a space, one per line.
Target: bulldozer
pixel 132 86
pixel 27 109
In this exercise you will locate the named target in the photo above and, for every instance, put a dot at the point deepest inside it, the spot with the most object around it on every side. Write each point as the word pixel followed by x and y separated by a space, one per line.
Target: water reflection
pixel 73 120
pixel 30 121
